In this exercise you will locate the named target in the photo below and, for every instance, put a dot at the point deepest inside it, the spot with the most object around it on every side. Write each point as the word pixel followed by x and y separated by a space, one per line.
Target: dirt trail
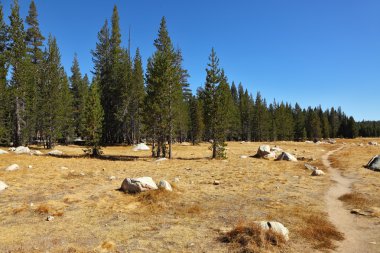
pixel 356 240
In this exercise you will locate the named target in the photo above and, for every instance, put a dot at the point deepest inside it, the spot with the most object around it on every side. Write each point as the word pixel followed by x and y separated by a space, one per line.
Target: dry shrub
pixel 156 196
pixel 320 232
pixel 108 245
pixel 354 199
pixel 43 209
pixel 251 238
pixel 20 209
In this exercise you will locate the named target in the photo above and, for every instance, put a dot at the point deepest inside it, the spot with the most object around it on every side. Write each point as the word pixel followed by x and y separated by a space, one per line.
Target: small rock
pixel 112 178
pixel 36 152
pixel 163 184
pixel 55 153
pixel 317 173
pixel 216 182
pixel 12 167
pixel 50 218
pixel 287 157
pixel 82 174
pixel 3 186
pixel 64 168
pixel 374 243
pixel 275 226
pixel 30 167
pixel 161 159
pixel 310 167
pixel 136 185
pixel 2 152
pixel 361 212
pixel 22 150
pixel 243 156
pixel 31 204
pixel 176 180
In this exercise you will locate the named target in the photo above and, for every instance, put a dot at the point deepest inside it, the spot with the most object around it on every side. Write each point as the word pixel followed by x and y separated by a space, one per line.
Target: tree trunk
pixel 214 149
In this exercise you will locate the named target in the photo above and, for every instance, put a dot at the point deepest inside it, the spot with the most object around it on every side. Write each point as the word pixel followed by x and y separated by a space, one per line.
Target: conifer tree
pixel 79 90
pixel 165 81
pixel 260 124
pixel 94 119
pixel 196 120
pixel 299 123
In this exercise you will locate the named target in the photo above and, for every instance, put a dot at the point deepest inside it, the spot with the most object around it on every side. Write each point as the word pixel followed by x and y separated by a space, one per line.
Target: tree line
pixel 41 103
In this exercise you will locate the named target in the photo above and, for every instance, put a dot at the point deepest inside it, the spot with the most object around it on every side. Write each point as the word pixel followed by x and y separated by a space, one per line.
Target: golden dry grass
pixel 251 238
pixel 90 210
pixel 355 199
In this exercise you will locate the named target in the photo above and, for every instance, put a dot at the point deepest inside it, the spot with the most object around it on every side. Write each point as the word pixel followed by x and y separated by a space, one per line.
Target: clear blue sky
pixel 324 52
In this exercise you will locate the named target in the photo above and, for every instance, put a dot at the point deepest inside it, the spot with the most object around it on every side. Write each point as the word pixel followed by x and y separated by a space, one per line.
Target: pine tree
pixel 299 123
pixel 165 81
pixel 79 90
pixel 4 93
pixel 94 119
pixel 34 38
pixel 196 120
pixel 260 122
pixel 19 81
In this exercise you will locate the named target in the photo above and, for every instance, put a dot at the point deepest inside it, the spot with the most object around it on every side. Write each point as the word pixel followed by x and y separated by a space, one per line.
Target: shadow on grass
pixel 123 157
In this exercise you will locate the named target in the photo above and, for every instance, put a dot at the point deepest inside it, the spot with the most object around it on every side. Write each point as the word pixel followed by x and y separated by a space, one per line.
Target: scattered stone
pixel 36 152
pixel 185 143
pixel 361 212
pixel 64 168
pixel 22 150
pixel 3 186
pixel 31 204
pixel 276 149
pixel 271 155
pixel 373 143
pixel 242 142
pixel 374 243
pixel 216 182
pixel 163 184
pixel 136 185
pixel 11 149
pixel 112 178
pixel 310 167
pixel 2 152
pixel 331 141
pixel 50 218
pixel 12 167
pixel 55 153
pixel 243 156
pixel 176 180
pixel 30 167
pixel 374 163
pixel 82 174
pixel 141 147
pixel 161 159
pixel 263 151
pixel 287 157
pixel 317 173
pixel 309 142
pixel 275 226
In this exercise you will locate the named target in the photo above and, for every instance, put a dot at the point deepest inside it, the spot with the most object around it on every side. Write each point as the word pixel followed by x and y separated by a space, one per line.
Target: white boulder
pixel 276 149
pixel 3 186
pixel 161 159
pixel 243 156
pixel 36 152
pixel 373 143
pixel 12 167
pixel 317 173
pixel 55 153
pixel 163 184
pixel 275 226
pixel 310 167
pixel 11 149
pixel 263 151
pixel 141 147
pixel 287 157
pixel 136 185
pixel 22 150
pixel 2 152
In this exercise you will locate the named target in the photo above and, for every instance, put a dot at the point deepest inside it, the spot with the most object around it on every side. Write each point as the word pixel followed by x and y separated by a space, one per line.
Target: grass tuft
pixel 355 199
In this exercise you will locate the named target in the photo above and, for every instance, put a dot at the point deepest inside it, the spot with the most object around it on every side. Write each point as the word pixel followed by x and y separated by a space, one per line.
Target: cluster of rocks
pixel 142 184
pixel 21 150
pixel 323 141
pixel 266 152
pixel 276 227
pixel 373 143
pixel 315 170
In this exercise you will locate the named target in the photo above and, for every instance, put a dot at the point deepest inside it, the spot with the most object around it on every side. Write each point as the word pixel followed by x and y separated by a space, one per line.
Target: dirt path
pixel 356 239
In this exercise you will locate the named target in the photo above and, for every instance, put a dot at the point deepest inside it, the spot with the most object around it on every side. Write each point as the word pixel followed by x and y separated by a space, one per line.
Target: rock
pixel 163 184
pixel 309 142
pixel 276 149
pixel 12 167
pixel 242 142
pixel 55 153
pixel 373 143
pixel 161 159
pixel 11 149
pixel 3 186
pixel 50 218
pixel 36 152
pixel 136 185
pixel 64 168
pixel 317 173
pixel 374 163
pixel 331 141
pixel 185 143
pixel 22 150
pixel 216 182
pixel 30 167
pixel 112 178
pixel 310 167
pixel 287 157
pixel 243 156
pixel 275 226
pixel 271 155
pixel 2 152
pixel 176 180
pixel 263 151
pixel 141 147
pixel 361 212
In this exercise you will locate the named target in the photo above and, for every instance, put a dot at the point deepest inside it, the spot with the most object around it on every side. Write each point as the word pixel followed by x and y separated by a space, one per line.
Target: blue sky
pixel 324 52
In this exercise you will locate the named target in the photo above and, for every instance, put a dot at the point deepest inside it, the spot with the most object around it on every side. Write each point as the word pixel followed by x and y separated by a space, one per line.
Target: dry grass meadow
pixel 92 216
